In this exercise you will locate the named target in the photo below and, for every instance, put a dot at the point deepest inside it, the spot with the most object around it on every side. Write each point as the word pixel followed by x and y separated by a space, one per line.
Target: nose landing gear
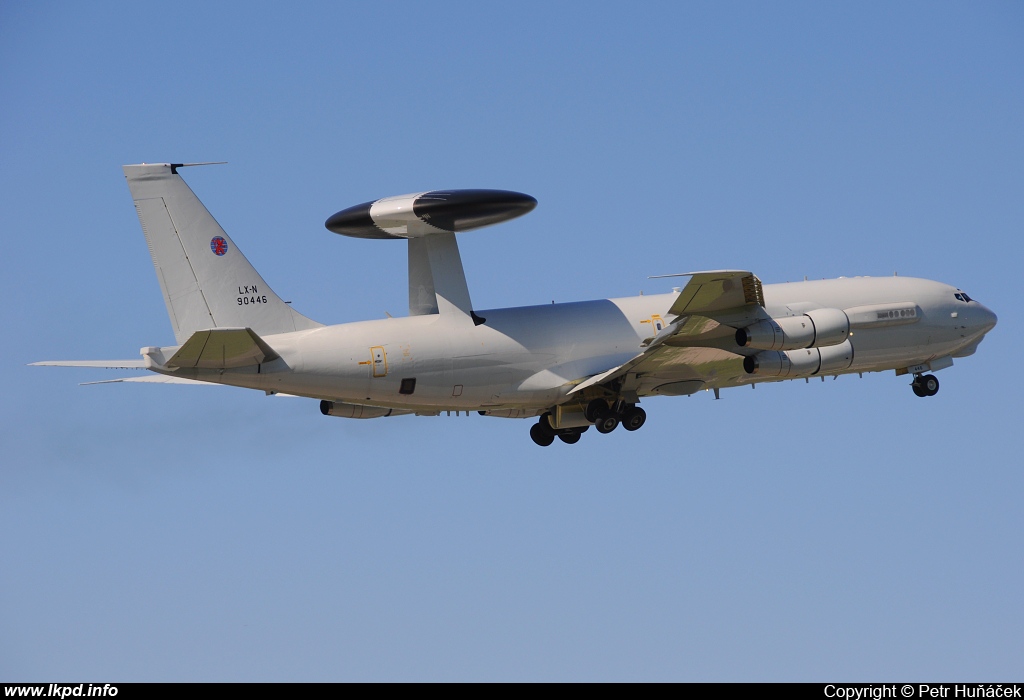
pixel 925 385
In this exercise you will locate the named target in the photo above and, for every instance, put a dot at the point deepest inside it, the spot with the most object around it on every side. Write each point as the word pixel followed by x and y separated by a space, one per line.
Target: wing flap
pixel 598 378
pixel 718 290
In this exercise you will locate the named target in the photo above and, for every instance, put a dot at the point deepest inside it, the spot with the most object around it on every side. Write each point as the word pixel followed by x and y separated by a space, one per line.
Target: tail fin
pixel 206 281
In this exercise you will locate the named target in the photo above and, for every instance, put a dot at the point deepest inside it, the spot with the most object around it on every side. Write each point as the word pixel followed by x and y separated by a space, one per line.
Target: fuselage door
pixel 380 361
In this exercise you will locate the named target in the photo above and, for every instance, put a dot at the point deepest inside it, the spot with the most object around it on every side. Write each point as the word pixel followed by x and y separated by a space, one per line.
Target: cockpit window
pixel 962 296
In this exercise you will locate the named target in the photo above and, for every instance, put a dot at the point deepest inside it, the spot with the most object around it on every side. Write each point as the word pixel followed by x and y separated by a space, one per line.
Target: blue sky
pixel 838 530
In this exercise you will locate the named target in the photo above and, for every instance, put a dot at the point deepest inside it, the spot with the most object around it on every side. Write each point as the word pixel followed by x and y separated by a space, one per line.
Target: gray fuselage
pixel 531 357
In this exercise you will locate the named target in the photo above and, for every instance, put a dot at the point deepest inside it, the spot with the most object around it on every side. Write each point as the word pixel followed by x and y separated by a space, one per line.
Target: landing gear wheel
pixel 634 418
pixel 595 409
pixel 925 385
pixel 545 424
pixel 541 436
pixel 607 423
pixel 570 438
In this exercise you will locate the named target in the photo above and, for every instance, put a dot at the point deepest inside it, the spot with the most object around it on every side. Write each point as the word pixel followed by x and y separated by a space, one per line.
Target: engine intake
pixel 815 329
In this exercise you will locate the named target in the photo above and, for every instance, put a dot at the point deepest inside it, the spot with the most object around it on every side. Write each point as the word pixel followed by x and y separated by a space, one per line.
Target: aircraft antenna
pixel 175 166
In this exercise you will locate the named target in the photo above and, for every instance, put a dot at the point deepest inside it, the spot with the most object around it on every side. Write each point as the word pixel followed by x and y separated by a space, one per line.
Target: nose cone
pixel 986 319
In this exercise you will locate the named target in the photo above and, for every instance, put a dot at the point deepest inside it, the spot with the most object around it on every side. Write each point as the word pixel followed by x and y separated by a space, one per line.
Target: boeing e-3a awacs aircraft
pixel 569 366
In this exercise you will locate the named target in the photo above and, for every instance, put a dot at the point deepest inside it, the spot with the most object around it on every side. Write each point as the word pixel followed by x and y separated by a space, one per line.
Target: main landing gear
pixel 925 385
pixel 543 434
pixel 605 418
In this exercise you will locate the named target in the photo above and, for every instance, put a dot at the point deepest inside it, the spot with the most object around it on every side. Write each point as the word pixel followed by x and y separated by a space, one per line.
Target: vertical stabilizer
pixel 206 281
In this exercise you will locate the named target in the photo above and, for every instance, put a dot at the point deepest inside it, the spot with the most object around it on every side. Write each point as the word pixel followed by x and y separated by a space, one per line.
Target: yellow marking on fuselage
pixel 379 371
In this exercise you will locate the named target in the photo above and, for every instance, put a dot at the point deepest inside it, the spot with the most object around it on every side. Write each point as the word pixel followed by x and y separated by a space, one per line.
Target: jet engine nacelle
pixel 354 410
pixel 800 363
pixel 815 329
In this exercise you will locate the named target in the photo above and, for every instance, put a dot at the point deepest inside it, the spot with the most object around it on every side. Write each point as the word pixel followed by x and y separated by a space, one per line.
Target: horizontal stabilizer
pixel 101 364
pixel 151 379
pixel 222 348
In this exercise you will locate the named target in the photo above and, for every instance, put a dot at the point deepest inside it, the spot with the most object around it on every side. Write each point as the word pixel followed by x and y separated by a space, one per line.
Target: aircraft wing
pixel 708 309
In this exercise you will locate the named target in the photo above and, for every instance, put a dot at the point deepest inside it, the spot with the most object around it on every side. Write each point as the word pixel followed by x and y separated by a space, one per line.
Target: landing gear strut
pixel 925 385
